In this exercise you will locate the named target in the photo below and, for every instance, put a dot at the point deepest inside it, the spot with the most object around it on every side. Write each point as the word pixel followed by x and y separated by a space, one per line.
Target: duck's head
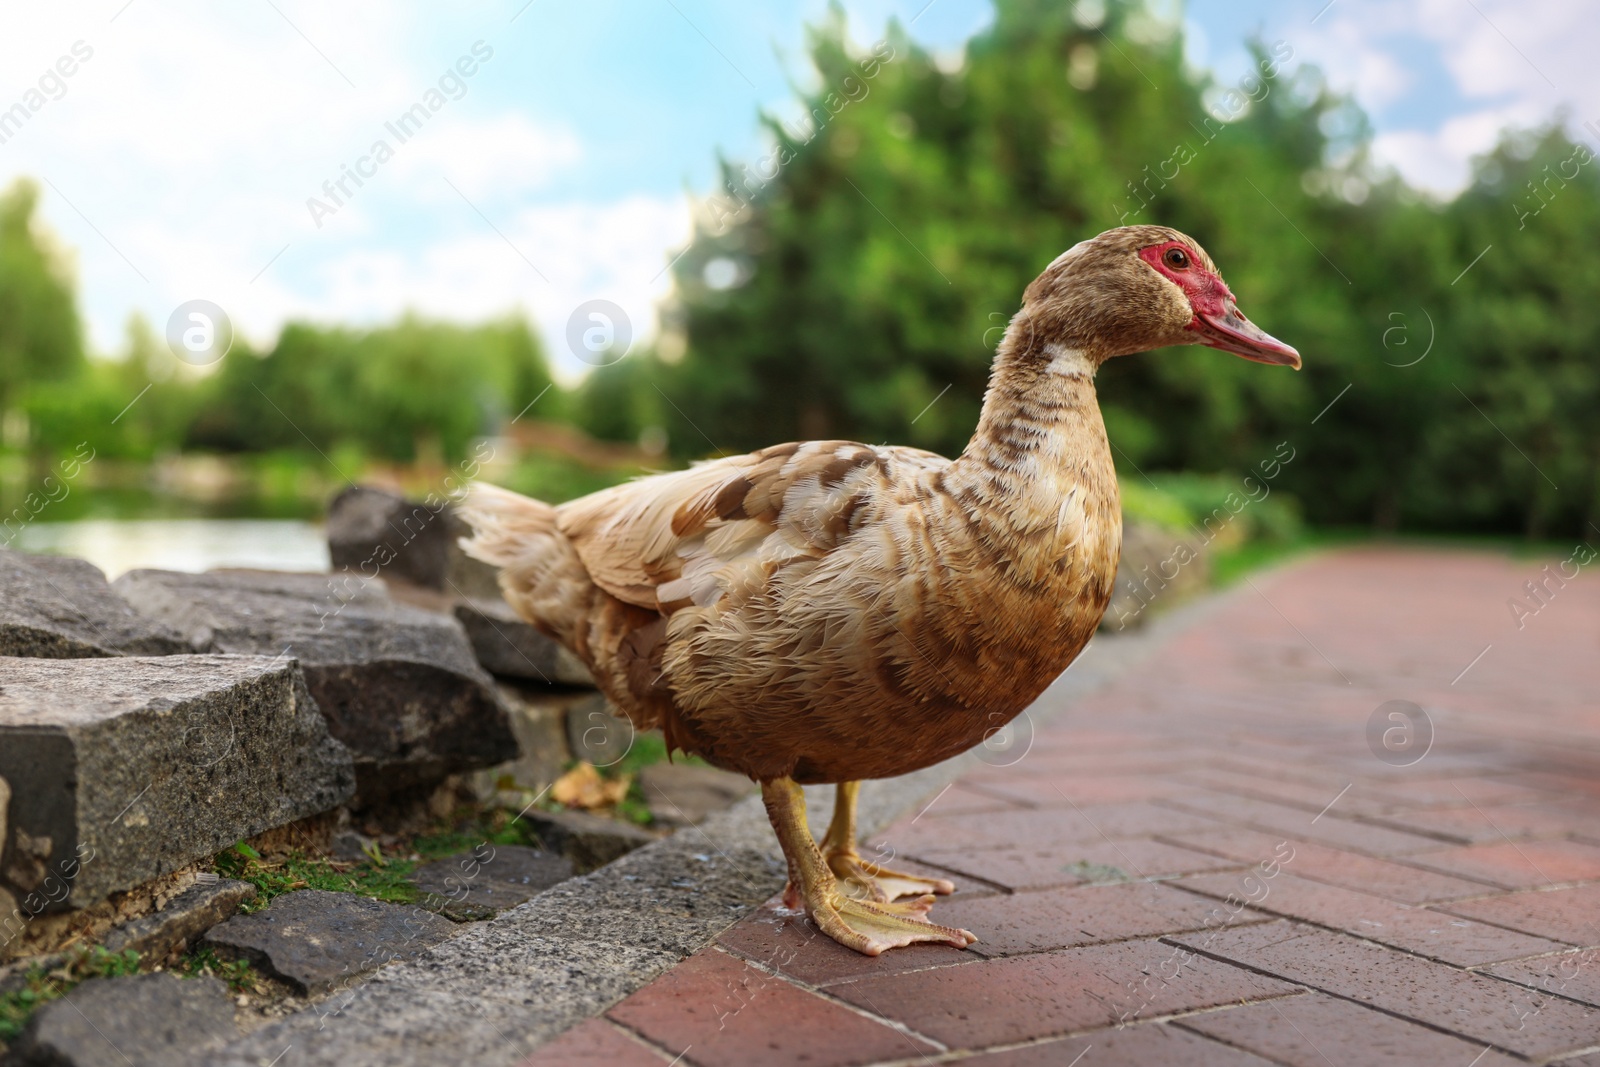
pixel 1136 288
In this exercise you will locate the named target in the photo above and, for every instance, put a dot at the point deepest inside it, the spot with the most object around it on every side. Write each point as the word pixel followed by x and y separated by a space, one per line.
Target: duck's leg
pixel 868 928
pixel 865 880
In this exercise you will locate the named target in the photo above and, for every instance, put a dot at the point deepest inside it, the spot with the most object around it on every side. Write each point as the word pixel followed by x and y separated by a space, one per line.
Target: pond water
pixel 120 545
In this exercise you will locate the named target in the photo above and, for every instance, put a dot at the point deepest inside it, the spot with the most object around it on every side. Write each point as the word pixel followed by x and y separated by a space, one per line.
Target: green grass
pixel 295 871
pixel 203 962
pixel 384 877
pixel 647 749
pixel 43 986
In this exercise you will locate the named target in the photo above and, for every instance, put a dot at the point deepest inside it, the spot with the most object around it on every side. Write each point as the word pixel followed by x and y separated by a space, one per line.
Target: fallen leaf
pixel 582 787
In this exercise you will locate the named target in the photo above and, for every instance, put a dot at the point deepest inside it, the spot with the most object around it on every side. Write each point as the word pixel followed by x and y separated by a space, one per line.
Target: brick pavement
pixel 1208 863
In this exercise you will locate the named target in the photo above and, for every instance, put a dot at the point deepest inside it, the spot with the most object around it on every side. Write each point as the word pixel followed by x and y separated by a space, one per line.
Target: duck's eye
pixel 1176 258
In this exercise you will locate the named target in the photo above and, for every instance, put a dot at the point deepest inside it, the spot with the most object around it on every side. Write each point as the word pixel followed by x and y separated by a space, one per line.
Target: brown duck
pixel 832 611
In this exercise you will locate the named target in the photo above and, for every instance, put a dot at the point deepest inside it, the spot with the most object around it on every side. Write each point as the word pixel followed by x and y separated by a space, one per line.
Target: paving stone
pixel 596 1043
pixel 126 769
pixel 966 798
pixel 1064 918
pixel 1524 865
pixel 496 877
pixel 1421 930
pixel 776 938
pixel 1297 822
pixel 1137 1046
pixel 1570 915
pixel 487 998
pixel 1471 825
pixel 1032 867
pixel 1474 1006
pixel 1053 791
pixel 316 940
pixel 589 841
pixel 147 1020
pixel 377 533
pixel 1323 863
pixel 1311 1030
pixel 186 916
pixel 1574 974
pixel 511 648
pixel 732 1015
pixel 991 1002
pixel 398 685
pixel 682 794
pixel 1039 828
pixel 56 607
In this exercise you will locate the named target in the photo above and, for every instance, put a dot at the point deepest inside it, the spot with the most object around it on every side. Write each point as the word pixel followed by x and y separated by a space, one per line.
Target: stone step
pixel 126 769
pixel 147 1020
pixel 400 686
pixel 183 920
pixel 318 941
pixel 493 878
pixel 508 647
pixel 589 841
pixel 55 607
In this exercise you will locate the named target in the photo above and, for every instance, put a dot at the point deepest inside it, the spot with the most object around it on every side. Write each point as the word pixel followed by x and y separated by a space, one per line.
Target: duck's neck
pixel 1041 419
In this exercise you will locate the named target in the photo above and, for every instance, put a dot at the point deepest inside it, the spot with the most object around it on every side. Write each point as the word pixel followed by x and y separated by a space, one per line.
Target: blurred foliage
pixel 416 390
pixel 854 280
pixel 40 986
pixel 40 337
pixel 877 267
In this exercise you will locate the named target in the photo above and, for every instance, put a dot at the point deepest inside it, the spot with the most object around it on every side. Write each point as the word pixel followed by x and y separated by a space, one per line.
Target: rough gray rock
pixel 589 841
pixel 11 921
pixel 375 532
pixel 1159 569
pixel 317 940
pixel 147 1020
pixel 186 916
pixel 398 685
pixel 497 877
pixel 683 794
pixel 539 722
pixel 597 734
pixel 511 648
pixel 126 769
pixel 55 607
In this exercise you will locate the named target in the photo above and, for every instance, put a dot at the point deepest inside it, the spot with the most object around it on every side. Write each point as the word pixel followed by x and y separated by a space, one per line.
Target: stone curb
pixel 494 993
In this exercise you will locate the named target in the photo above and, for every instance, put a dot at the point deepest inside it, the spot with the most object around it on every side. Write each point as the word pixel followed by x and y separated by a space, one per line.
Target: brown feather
pixel 830 610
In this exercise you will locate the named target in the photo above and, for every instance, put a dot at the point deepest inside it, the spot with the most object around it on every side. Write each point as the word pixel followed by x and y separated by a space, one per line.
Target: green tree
pixel 854 282
pixel 40 335
pixel 416 389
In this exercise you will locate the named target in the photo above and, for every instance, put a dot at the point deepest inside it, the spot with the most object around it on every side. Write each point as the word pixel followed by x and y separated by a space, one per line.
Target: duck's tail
pixel 505 525
pixel 540 572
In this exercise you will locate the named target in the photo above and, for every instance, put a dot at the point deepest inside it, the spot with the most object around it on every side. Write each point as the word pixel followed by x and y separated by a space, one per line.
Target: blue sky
pixel 179 158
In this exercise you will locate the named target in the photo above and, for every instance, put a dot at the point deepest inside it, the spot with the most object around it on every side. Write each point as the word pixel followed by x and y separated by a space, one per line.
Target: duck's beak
pixel 1230 331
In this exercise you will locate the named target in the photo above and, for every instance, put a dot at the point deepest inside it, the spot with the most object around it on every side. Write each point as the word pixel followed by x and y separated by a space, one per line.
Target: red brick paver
pixel 1212 861
pixel 724 1011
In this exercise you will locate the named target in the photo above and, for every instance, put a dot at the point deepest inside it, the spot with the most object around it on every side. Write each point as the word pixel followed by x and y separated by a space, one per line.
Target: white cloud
pixel 1513 63
pixel 192 138
pixel 613 251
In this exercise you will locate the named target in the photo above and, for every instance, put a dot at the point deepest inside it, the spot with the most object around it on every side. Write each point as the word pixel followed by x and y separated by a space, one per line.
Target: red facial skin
pixel 1208 294
pixel 1218 322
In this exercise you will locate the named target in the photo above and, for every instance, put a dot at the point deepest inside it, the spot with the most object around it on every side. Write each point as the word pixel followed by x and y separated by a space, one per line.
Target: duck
pixel 825 612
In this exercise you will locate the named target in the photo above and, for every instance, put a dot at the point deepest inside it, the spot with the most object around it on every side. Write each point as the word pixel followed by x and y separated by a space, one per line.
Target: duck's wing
pixel 721 528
